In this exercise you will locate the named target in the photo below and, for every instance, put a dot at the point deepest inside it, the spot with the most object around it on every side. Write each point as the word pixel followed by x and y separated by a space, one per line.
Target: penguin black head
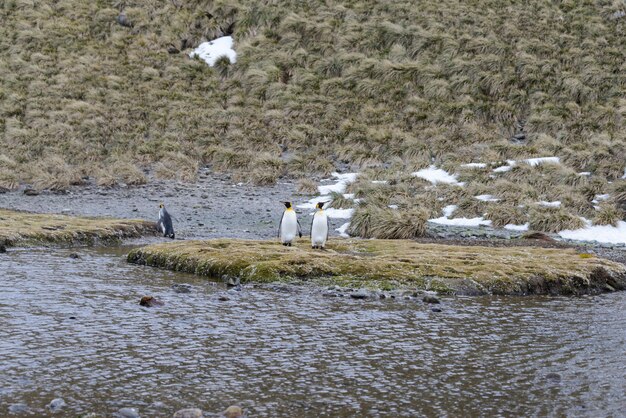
pixel 320 205
pixel 287 205
pixel 161 205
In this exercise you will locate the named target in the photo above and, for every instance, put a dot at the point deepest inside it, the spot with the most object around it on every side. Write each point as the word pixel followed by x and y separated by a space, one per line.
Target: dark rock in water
pixel 233 411
pixel 31 192
pixel 3 190
pixel 431 299
pixel 150 301
pixel 359 295
pixel 235 288
pixel 188 413
pixel 223 298
pixel 74 255
pixel 55 405
pixel 128 413
pixel 554 377
pixel 3 249
pixel 18 408
pixel 436 309
pixel 181 288
pixel 72 317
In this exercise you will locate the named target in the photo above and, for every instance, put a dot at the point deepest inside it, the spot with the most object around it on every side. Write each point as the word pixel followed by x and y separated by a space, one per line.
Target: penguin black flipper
pixel 311 230
pixel 299 228
pixel 280 224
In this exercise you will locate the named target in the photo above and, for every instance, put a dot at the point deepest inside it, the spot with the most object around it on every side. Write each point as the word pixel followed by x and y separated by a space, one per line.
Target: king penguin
pixel 165 222
pixel 289 225
pixel 319 227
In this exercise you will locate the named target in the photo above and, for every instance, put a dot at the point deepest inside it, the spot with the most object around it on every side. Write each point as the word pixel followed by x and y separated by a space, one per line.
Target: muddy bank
pixel 34 229
pixel 213 207
pixel 392 264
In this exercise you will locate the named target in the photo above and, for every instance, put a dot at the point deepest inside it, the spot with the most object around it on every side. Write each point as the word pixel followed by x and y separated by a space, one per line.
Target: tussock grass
pixel 383 86
pixel 33 229
pixel 338 201
pixel 307 186
pixel 608 214
pixel 374 222
pixel 502 214
pixel 387 264
pixel 547 219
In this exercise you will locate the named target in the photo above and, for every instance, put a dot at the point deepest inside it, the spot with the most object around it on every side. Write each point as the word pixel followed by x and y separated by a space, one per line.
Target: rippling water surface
pixel 72 328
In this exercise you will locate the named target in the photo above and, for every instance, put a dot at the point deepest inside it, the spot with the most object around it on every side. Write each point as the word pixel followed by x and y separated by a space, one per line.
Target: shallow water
pixel 294 353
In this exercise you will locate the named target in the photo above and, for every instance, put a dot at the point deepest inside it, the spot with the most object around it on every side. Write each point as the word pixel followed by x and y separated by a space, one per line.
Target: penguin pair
pixel 289 226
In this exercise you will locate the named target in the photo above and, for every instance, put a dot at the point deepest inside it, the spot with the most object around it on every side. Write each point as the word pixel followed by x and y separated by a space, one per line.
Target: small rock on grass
pixel 233 411
pixel 431 299
pixel 188 413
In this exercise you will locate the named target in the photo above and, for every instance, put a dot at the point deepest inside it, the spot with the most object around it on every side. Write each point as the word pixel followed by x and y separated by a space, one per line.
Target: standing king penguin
pixel 289 225
pixel 165 222
pixel 319 227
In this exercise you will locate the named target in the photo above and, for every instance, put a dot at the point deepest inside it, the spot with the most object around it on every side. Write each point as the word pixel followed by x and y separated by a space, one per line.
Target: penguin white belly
pixel 319 230
pixel 288 227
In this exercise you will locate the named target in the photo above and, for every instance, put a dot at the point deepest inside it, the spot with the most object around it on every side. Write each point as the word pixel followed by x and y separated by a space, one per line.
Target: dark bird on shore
pixel 165 222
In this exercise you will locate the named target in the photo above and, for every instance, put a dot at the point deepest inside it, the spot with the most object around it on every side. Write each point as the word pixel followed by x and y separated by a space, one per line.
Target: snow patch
pixel 379 181
pixel 486 198
pixel 513 227
pixel 343 230
pixel 585 173
pixel 437 175
pixel 555 204
pixel 542 160
pixel 342 182
pixel 211 51
pixel 446 220
pixel 600 233
pixel 339 213
pixel 474 165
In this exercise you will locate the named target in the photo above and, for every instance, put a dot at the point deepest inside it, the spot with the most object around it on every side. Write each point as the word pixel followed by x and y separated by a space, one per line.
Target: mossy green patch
pixel 391 264
pixel 30 229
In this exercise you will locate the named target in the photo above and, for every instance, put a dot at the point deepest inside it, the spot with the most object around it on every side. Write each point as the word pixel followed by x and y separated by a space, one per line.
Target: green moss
pixel 389 264
pixel 32 229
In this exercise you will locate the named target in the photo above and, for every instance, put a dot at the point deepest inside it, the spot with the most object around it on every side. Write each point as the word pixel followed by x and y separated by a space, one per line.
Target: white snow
pixel 348 195
pixel 600 233
pixel 474 165
pixel 584 173
pixel 460 221
pixel 555 204
pixel 600 197
pixel 446 220
pixel 343 230
pixel 437 175
pixel 342 182
pixel 503 169
pixel 212 50
pixel 624 176
pixel 530 161
pixel 393 206
pixel 379 181
pixel 487 198
pixel 339 213
pixel 542 160
pixel 513 227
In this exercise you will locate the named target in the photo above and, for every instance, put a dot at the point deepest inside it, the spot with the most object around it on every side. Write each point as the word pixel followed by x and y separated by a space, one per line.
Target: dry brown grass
pixel 384 223
pixel 547 219
pixel 387 264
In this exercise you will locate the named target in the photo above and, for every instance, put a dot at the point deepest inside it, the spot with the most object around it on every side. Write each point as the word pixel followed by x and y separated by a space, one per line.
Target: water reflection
pixel 72 328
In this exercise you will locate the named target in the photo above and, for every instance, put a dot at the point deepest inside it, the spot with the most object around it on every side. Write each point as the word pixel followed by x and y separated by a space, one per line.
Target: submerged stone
pixel 128 413
pixel 181 288
pixel 188 413
pixel 56 404
pixel 430 299
pixel 233 411
pixel 150 301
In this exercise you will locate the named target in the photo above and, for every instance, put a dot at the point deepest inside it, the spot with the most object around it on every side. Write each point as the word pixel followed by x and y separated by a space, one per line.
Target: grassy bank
pixel 389 264
pixel 108 90
pixel 33 229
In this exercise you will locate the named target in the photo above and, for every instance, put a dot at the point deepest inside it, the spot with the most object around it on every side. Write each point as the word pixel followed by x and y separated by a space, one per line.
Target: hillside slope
pixel 107 89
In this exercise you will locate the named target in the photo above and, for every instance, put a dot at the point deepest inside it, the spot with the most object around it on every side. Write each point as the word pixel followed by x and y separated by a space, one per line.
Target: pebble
pixel 223 298
pixel 56 404
pixel 359 295
pixel 128 413
pixel 31 192
pixel 181 288
pixel 436 309
pixel 18 408
pixel 150 301
pixel 233 411
pixel 431 299
pixel 188 413
pixel 74 255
